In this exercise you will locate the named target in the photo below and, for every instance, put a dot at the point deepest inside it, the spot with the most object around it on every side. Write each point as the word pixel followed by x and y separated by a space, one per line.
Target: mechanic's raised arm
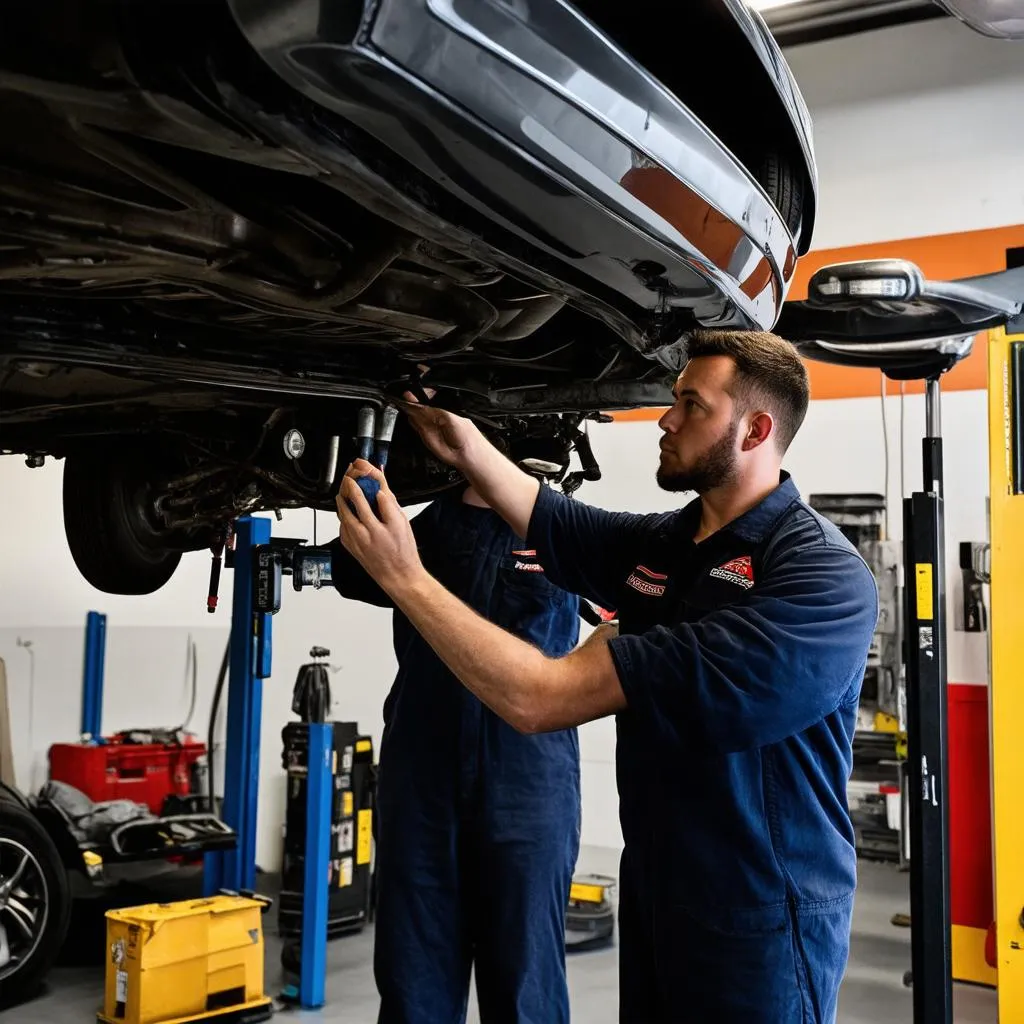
pixel 458 442
pixel 582 548
pixel 528 689
pixel 585 549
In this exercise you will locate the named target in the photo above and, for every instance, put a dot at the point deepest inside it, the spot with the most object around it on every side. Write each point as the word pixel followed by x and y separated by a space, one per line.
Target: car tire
pixel 29 945
pixel 784 188
pixel 112 542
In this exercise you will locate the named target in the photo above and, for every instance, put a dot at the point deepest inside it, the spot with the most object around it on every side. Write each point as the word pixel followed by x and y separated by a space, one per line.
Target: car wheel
pixel 35 903
pixel 107 504
pixel 784 188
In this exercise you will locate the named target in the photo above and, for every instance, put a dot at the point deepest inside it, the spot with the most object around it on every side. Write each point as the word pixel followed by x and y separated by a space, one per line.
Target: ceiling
pixel 805 21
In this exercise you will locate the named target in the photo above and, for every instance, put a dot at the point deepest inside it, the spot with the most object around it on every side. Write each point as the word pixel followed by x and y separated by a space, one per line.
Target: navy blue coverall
pixel 478 826
pixel 741 659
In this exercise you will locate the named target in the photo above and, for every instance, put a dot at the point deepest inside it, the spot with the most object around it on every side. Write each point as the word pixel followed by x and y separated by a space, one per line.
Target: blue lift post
pixel 249 665
pixel 319 785
pixel 92 675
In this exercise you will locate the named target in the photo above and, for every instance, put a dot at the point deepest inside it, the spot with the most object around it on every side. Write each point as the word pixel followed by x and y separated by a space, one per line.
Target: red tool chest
pixel 115 770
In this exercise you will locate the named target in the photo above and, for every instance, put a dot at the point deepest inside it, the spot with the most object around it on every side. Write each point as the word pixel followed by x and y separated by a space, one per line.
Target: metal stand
pixel 319 786
pixel 925 600
pixel 255 562
pixel 249 662
pixel 92 675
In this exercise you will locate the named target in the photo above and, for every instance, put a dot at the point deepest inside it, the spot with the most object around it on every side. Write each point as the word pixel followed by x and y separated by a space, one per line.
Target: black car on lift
pixel 224 220
pixel 225 224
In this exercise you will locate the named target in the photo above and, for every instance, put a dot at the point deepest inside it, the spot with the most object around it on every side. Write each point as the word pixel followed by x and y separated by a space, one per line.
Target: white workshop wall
pixel 915 131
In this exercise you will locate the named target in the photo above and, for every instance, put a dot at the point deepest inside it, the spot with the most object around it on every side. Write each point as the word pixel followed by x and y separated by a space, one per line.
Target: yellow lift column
pixel 1006 624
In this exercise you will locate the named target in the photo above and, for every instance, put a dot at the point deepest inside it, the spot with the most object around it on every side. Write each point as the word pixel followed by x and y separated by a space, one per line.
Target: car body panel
pixel 575 146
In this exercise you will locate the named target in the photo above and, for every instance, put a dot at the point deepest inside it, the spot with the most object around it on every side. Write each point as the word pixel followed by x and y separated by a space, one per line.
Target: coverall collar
pixel 756 523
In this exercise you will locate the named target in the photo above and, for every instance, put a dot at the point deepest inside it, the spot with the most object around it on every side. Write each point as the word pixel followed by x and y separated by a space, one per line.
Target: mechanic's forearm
pixel 502 484
pixel 513 678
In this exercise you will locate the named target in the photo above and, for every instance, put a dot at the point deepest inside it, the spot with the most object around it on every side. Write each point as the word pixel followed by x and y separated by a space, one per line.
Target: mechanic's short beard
pixel 717 466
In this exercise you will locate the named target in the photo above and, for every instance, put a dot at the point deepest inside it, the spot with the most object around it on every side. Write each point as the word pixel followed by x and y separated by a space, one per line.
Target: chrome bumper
pixel 528 114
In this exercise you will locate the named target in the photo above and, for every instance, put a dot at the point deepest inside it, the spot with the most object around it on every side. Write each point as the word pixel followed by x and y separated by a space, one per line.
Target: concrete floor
pixel 872 992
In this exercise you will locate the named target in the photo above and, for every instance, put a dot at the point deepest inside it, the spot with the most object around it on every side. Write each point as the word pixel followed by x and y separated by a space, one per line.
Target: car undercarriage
pixel 204 247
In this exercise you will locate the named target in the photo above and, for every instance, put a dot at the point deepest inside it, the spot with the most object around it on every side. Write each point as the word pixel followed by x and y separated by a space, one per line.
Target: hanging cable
pixel 903 445
pixel 211 734
pixel 27 646
pixel 191 667
pixel 885 438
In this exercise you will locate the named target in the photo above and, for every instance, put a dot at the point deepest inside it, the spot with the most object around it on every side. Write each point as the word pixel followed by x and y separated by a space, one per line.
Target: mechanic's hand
pixel 385 547
pixel 446 435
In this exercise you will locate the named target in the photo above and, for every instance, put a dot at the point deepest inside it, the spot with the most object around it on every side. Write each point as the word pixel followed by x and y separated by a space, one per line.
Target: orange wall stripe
pixel 940 257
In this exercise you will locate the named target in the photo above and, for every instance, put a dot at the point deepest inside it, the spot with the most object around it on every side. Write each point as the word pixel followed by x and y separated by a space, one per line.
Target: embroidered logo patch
pixel 646 582
pixel 532 566
pixel 738 570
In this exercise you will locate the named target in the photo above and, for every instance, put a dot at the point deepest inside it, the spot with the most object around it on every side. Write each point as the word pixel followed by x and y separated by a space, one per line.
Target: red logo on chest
pixel 522 566
pixel 646 582
pixel 737 570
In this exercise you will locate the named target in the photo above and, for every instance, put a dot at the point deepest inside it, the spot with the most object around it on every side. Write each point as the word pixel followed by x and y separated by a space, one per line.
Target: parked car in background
pixel 225 224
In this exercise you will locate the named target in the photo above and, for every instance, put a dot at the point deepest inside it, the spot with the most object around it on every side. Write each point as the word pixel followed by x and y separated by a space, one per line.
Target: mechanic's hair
pixel 769 373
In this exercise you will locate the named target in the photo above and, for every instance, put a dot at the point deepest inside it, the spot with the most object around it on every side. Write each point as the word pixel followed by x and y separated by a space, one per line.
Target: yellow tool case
pixel 196 960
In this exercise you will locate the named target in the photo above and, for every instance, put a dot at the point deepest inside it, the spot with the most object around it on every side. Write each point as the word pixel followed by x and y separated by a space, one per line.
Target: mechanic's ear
pixel 760 429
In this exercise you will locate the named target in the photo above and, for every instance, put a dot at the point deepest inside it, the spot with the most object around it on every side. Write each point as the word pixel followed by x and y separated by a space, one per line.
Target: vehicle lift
pixel 259 563
pixel 884 314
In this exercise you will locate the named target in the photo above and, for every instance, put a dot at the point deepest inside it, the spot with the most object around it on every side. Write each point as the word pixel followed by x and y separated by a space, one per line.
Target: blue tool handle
pixel 370 489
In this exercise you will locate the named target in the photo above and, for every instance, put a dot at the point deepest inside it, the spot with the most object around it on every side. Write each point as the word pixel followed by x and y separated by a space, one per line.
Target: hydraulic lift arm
pixel 885 314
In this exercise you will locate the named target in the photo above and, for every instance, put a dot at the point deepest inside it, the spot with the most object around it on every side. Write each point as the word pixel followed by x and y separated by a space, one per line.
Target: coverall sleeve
pixel 351 580
pixel 754 673
pixel 583 549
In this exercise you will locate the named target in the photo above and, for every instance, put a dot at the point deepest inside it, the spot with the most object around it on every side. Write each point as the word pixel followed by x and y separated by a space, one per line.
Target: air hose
pixel 222 675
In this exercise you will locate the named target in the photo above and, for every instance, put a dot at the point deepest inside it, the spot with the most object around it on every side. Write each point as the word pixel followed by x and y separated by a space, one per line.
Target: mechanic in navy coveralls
pixel 745 623
pixel 478 824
